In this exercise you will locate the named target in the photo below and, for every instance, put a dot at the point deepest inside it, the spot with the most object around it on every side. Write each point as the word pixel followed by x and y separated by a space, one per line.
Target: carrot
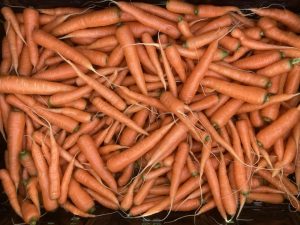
pixel 144 59
pixel 241 76
pixel 271 31
pixel 181 7
pixel 102 200
pixel 211 11
pixel 222 21
pixel 126 41
pixel 143 191
pixel 175 60
pixel 206 38
pixel 61 72
pixel 91 183
pixel 158 11
pixel 116 56
pixel 225 112
pixel 205 103
pixel 151 50
pixel 184 28
pixel 97 58
pixel 31 22
pixel 22 85
pixel 222 100
pixel 255 33
pixel 6 57
pixel 272 198
pixel 196 54
pixel 210 129
pixel 179 162
pixel 88 148
pixel 243 131
pixel 139 29
pixel 76 114
pixel 249 94
pixel 246 107
pixel 101 89
pixel 99 18
pixel 10 16
pixel 150 20
pixel 97 32
pixel 268 135
pixel 185 189
pixel 75 211
pixel 104 107
pixel 282 66
pixel 129 136
pixel 15 132
pixel 141 98
pixel 11 37
pixel 10 191
pixel 190 86
pixel 43 177
pixel 214 185
pixel 254 44
pixel 30 213
pixel 48 41
pixel 27 162
pixel 288 156
pixel 32 191
pixel 80 197
pixel 126 175
pixel 226 191
pixel 286 17
pixel 126 157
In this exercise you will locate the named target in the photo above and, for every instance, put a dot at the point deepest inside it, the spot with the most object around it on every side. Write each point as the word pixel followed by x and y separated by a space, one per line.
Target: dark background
pixel 254 214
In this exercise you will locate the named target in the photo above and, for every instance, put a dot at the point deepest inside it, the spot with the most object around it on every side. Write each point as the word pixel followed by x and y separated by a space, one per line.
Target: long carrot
pixel 190 86
pixel 120 161
pixel 10 191
pixel 15 132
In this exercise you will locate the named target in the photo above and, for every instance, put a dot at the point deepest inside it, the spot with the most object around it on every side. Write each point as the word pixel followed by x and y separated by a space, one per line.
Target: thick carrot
pixel 285 17
pixel 248 94
pixel 30 213
pixel 27 162
pixel 84 178
pixel 241 76
pixel 225 112
pixel 150 20
pixel 120 161
pixel 191 85
pixel 43 177
pixel 10 191
pixel 98 18
pixel 15 132
pixel 88 148
pixel 23 85
pixel 267 136
pixel 128 136
pixel 206 38
pixel 282 66
pixel 80 197
pixel 48 41
pixel 126 40
pixel 272 198
pixel 31 22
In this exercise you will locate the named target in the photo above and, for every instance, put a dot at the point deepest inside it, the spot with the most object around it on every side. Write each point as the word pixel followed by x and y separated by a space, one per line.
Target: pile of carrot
pixel 144 108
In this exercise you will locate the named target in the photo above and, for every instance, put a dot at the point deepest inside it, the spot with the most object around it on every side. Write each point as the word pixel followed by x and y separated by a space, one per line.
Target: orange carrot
pixel 191 85
pixel 249 94
pixel 74 210
pixel 10 191
pixel 27 162
pixel 30 213
pixel 120 161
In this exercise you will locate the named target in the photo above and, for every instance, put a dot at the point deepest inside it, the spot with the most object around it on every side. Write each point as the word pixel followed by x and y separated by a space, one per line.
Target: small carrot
pixel 32 191
pixel 27 162
pixel 30 213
